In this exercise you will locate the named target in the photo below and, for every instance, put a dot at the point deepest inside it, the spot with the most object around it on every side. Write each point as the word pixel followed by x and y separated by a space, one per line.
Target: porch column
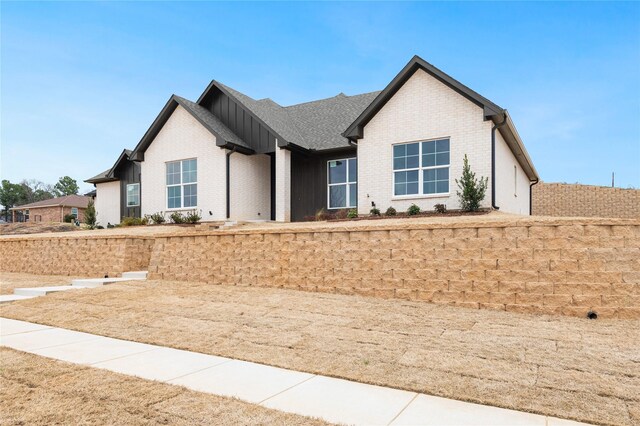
pixel 283 185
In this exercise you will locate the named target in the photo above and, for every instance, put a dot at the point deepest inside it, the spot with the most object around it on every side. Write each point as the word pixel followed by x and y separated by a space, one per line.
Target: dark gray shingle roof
pixel 316 125
pixel 322 122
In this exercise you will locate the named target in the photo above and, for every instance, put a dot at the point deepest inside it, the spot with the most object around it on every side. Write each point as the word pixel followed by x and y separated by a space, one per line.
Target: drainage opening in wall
pixel 592 315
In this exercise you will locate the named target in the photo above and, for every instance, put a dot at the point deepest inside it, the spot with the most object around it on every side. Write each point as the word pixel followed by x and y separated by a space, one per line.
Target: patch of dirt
pixel 23 228
pixel 40 391
pixel 559 366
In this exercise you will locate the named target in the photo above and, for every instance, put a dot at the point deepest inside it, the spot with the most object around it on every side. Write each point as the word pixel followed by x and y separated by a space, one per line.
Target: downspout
pixel 229 181
pixel 531 185
pixel 493 160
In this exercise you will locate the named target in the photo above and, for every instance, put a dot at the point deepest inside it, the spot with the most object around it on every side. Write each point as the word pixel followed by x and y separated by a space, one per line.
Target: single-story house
pixel 230 156
pixel 51 210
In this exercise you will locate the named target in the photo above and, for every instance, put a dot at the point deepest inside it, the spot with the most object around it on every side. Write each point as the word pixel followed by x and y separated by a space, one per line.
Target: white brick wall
pixel 423 108
pixel 108 203
pixel 183 137
pixel 283 185
pixel 250 187
pixel 512 192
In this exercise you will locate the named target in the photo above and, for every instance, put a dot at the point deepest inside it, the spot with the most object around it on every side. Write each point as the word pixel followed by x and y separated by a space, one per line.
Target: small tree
pixel 472 190
pixel 90 215
pixel 11 194
pixel 65 186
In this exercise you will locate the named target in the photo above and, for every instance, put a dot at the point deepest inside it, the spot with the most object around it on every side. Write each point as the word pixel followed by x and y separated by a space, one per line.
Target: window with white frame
pixel 74 212
pixel 342 183
pixel 421 168
pixel 182 184
pixel 133 195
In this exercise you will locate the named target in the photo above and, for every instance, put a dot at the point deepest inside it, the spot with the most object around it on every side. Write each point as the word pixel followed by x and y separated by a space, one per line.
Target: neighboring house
pixel 230 156
pixel 51 210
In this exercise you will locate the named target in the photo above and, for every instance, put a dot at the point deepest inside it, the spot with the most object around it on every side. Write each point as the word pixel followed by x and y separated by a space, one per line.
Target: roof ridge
pixel 331 97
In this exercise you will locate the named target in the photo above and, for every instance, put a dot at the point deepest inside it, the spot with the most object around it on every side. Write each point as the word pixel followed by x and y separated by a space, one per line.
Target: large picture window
pixel 421 168
pixel 182 184
pixel 342 181
pixel 133 195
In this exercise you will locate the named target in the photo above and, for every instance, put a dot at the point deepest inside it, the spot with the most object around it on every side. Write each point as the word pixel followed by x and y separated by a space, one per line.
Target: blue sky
pixel 81 81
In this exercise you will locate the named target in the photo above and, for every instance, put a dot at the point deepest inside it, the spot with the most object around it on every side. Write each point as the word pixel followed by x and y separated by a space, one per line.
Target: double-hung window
pixel 342 181
pixel 182 184
pixel 421 168
pixel 133 195
pixel 74 212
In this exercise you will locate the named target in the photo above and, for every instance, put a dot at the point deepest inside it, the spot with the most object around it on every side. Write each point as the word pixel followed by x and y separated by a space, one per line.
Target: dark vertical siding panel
pixel 247 129
pixel 128 173
pixel 309 183
pixel 255 134
pixel 264 140
pixel 232 116
pixel 240 123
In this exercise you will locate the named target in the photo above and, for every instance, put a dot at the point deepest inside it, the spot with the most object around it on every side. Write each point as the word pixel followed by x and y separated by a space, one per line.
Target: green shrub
pixel 375 211
pixel 390 212
pixel 157 218
pixel 177 217
pixel 69 218
pixel 440 208
pixel 192 217
pixel 472 190
pixel 90 215
pixel 413 210
pixel 134 221
pixel 352 214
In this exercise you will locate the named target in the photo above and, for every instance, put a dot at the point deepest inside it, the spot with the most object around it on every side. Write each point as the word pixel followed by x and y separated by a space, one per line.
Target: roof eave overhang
pixel 234 146
pixel 513 140
pixel 102 180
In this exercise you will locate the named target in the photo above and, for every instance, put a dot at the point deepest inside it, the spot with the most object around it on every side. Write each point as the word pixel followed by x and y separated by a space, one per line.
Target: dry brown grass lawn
pixel 39 391
pixel 11 280
pixel 559 366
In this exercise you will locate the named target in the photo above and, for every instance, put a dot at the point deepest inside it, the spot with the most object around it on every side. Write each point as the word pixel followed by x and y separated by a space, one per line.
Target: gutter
pixel 229 181
pixel 531 185
pixel 493 160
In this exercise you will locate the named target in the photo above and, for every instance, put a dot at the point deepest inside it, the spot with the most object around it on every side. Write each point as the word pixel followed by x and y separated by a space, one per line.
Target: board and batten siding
pixel 183 137
pixel 309 186
pixel 108 203
pixel 422 109
pixel 241 122
pixel 128 173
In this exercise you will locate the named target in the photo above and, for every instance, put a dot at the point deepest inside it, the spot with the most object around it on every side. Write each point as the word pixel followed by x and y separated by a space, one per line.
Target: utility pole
pixel 613 179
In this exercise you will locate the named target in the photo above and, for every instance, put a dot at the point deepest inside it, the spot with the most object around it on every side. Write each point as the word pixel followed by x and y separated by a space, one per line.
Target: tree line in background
pixel 32 190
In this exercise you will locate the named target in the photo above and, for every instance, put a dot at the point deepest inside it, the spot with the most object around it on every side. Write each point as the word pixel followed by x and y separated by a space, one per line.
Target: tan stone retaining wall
pixel 530 267
pixel 81 256
pixel 561 199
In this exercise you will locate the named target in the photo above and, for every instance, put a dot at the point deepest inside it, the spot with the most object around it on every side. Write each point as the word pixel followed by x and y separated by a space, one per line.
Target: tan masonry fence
pixel 575 200
pixel 564 268
pixel 90 256
pixel 555 266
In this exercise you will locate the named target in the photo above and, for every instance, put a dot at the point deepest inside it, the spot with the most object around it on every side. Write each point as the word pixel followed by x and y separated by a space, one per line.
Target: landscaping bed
pixel 40 391
pixel 563 367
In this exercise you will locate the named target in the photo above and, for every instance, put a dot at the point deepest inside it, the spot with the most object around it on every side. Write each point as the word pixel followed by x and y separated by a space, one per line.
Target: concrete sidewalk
pixel 334 400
